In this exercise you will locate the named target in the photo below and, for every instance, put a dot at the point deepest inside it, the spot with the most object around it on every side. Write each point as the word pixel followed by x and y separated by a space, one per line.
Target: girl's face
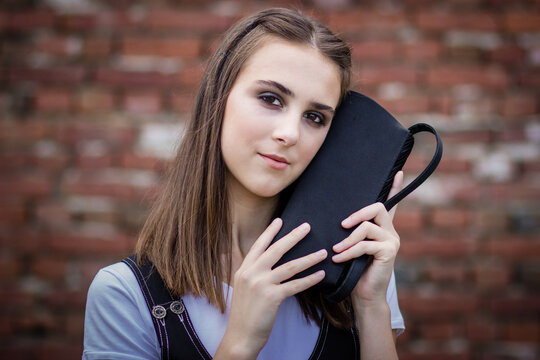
pixel 277 116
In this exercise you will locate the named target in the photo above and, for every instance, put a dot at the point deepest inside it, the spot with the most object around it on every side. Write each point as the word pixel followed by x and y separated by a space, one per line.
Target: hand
pixel 258 290
pixel 377 238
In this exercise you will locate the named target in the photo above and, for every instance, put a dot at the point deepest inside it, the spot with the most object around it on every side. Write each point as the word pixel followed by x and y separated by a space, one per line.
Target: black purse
pixel 355 167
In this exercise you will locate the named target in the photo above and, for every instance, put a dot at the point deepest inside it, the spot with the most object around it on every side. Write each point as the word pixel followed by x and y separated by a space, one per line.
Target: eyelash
pixel 270 98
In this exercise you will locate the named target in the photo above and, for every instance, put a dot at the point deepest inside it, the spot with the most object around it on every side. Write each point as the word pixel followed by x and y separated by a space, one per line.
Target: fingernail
pixel 336 257
pixel 304 226
pixel 321 253
pixel 320 273
pixel 346 222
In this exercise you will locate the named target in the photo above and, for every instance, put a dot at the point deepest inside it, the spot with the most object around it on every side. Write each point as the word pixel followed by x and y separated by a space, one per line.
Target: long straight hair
pixel 187 235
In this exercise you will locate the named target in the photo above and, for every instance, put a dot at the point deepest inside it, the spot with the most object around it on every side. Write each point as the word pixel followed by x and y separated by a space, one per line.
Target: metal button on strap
pixel 177 307
pixel 159 312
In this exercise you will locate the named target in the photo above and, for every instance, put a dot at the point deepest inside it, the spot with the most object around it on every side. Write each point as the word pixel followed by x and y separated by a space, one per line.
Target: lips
pixel 275 161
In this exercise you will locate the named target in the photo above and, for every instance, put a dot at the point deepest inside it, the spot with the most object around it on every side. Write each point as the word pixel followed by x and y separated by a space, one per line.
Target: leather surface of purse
pixel 355 167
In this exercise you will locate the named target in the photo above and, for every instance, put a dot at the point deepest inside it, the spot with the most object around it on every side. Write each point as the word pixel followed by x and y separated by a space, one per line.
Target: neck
pixel 250 215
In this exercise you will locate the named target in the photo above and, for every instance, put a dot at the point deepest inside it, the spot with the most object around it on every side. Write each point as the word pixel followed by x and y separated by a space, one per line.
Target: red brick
pixel 120 191
pixel 12 212
pixel 94 162
pixel 139 102
pixel 492 77
pixel 49 100
pixel 423 51
pixel 440 330
pixel 97 47
pixel 522 22
pixel 447 273
pixel 72 134
pixel 377 74
pixel 363 19
pixel 408 219
pixel 449 218
pixel 52 214
pixel 29 20
pixel 49 267
pixel 523 331
pixel 430 354
pixel 529 305
pixel 10 267
pixel 414 247
pixel 36 185
pixel 470 136
pixel 60 351
pixel 374 50
pixel 453 165
pixel 185 20
pixel 71 75
pixel 518 190
pixel 182 102
pixel 13 162
pixel 513 247
pixel 59 45
pixel 98 100
pixel 191 75
pixel 172 47
pixel 482 329
pixel 49 162
pixel 25 242
pixel 408 104
pixel 36 322
pixel 508 53
pixel 513 135
pixel 519 105
pixel 78 244
pixel 75 325
pixel 492 275
pixel 530 78
pixel 75 22
pixel 440 21
pixel 67 299
pixel 491 220
pixel 13 299
pixel 23 133
pixel 134 161
pixel 444 306
pixel 130 79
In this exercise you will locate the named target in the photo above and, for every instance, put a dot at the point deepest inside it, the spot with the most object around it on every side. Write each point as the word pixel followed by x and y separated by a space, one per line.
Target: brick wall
pixel 93 97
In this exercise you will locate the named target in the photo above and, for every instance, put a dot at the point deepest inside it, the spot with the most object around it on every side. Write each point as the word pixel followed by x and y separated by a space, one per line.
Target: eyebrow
pixel 290 93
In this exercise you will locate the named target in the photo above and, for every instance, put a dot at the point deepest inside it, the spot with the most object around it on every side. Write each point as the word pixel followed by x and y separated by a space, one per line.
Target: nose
pixel 287 130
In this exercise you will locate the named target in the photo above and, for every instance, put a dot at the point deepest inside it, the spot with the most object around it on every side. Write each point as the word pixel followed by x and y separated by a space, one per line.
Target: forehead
pixel 300 67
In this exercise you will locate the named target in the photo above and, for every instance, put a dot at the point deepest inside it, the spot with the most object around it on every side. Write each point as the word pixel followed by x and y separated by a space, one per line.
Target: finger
pixel 280 247
pixel 385 251
pixel 366 230
pixel 293 267
pixel 262 242
pixel 376 212
pixel 295 286
pixel 396 187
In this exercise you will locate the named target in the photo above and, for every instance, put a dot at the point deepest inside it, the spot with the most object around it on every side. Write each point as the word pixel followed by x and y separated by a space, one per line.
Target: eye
pixel 316 118
pixel 270 99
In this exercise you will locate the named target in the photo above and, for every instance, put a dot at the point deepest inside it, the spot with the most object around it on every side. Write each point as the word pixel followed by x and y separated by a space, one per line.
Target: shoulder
pixel 117 319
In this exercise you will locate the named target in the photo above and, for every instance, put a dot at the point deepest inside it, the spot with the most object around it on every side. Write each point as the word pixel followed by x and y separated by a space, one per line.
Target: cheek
pixel 310 148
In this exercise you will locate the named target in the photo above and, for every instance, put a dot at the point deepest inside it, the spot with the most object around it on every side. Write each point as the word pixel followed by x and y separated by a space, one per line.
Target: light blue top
pixel 118 324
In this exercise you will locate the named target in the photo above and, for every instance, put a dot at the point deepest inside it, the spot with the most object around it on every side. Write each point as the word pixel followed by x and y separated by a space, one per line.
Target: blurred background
pixel 94 96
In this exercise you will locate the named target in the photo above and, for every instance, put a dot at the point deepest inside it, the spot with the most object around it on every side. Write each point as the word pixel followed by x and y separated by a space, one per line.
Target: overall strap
pixel 414 129
pixel 174 330
pixel 336 343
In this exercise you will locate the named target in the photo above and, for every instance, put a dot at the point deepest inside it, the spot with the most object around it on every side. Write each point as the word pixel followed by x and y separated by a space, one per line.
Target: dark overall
pixel 178 339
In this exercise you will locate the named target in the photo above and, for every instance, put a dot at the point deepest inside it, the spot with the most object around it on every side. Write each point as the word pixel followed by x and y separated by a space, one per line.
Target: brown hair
pixel 188 229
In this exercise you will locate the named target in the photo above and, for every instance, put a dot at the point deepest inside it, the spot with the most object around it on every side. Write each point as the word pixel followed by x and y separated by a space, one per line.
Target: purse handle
pixel 414 129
